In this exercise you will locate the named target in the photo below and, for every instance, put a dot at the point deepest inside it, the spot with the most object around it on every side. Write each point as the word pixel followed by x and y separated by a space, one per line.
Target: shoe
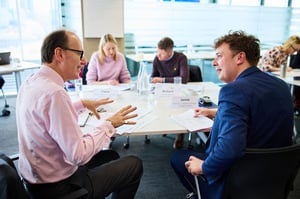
pixel 179 141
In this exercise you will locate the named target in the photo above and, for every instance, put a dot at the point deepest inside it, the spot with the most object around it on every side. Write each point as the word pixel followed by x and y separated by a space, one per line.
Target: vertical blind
pixel 201 24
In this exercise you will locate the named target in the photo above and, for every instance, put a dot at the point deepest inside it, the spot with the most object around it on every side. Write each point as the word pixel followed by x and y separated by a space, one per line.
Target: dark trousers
pixel 296 97
pixel 178 159
pixel 104 174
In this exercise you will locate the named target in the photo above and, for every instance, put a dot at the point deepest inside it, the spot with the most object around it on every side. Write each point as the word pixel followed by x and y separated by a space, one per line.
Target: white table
pixel 16 69
pixel 160 109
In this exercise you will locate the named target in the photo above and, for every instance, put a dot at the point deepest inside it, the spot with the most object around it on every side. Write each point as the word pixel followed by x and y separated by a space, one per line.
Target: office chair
pixel 11 185
pixel 84 70
pixel 263 173
pixel 5 112
pixel 195 73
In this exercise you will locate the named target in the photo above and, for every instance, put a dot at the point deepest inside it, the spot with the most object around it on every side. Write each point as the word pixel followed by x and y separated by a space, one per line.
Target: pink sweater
pixel 110 70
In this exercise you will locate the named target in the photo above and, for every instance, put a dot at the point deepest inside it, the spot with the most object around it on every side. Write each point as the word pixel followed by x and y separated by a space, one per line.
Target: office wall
pixel 100 17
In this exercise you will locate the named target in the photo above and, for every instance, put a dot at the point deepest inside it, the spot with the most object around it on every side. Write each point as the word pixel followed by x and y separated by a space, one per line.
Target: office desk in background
pixel 201 55
pixel 157 119
pixel 17 69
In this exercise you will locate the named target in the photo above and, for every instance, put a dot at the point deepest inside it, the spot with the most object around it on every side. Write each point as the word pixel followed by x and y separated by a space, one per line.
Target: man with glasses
pixel 55 156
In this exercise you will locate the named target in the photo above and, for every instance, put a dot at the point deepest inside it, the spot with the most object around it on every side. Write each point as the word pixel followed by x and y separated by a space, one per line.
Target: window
pixel 24 24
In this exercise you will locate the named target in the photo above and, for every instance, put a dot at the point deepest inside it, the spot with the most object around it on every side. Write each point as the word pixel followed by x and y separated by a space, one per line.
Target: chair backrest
pixel 195 73
pixel 84 70
pixel 1 82
pixel 263 173
pixel 11 185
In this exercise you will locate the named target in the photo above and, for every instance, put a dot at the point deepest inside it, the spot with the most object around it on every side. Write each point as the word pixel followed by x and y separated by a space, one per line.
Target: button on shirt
pixel 51 144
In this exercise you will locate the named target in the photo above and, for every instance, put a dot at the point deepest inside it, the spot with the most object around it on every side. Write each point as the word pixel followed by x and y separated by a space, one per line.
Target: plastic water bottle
pixel 143 85
pixel 78 86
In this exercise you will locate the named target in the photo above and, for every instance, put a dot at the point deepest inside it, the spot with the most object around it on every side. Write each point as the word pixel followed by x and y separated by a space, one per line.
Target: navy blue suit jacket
pixel 255 111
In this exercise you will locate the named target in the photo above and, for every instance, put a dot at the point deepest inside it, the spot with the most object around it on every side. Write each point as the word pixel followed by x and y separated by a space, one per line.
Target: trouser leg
pixel 120 177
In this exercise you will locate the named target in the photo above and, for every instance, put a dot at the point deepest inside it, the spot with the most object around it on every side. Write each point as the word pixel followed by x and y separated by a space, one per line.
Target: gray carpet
pixel 159 180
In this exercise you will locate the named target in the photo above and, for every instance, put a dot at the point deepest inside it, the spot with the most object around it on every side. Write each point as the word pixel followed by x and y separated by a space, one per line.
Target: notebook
pixel 4 58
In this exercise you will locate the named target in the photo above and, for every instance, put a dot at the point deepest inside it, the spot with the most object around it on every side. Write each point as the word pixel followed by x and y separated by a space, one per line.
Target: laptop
pixel 4 58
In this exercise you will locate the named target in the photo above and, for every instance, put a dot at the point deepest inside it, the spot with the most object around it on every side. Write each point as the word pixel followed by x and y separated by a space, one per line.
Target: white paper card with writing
pixel 189 102
pixel 166 90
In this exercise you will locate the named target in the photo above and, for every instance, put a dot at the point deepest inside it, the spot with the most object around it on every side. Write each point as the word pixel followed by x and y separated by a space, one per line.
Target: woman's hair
pixel 290 42
pixel 104 40
pixel 239 41
pixel 58 38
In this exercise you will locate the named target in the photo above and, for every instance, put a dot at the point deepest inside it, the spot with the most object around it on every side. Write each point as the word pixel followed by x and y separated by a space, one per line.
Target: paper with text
pixel 191 123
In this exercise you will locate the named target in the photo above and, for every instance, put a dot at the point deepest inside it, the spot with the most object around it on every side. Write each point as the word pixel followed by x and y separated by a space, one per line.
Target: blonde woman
pixel 107 65
pixel 278 55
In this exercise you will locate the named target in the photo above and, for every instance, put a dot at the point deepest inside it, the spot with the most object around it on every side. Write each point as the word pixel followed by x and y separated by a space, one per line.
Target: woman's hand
pixel 92 105
pixel 121 117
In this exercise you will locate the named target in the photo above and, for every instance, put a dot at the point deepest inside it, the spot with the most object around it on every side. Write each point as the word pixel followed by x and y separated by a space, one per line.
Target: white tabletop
pixel 290 77
pixel 157 119
pixel 11 68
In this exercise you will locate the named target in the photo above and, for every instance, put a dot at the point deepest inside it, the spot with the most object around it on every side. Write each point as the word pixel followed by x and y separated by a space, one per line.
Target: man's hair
pixel 55 39
pixel 166 44
pixel 239 41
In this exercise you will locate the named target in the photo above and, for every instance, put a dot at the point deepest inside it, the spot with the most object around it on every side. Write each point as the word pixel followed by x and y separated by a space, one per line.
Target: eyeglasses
pixel 79 52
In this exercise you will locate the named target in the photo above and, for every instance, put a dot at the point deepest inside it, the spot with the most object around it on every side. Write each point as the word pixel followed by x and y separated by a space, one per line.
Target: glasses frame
pixel 79 52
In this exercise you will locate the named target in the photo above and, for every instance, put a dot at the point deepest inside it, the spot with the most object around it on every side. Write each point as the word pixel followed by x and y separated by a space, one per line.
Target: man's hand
pixel 92 105
pixel 121 117
pixel 194 166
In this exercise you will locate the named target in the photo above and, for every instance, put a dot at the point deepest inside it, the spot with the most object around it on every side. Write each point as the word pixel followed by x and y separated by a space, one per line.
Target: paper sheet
pixel 191 123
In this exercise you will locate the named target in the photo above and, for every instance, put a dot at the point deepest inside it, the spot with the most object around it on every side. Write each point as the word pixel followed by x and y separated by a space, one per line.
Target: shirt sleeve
pixel 231 125
pixel 124 75
pixel 64 129
pixel 155 72
pixel 184 69
pixel 91 74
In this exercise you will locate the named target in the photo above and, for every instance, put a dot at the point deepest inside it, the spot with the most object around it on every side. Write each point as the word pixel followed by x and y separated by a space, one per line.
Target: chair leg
pixel 147 140
pixel 4 97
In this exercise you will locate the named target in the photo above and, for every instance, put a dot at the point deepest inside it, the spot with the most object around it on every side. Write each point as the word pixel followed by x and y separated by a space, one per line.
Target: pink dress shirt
pixel 110 70
pixel 51 144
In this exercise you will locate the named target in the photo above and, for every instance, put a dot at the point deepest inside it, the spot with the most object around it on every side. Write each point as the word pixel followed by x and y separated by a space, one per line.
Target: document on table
pixel 192 123
pixel 141 120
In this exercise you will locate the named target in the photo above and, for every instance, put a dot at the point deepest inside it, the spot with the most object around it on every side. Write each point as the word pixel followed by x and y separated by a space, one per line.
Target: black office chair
pixel 11 185
pixel 5 112
pixel 263 173
pixel 195 73
pixel 84 70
